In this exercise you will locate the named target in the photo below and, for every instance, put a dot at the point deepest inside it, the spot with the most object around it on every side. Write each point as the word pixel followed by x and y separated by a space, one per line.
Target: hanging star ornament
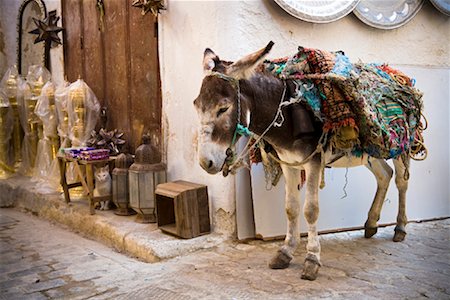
pixel 47 30
pixel 149 5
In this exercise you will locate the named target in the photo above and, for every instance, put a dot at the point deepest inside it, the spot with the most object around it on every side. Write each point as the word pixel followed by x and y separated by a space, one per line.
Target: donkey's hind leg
pixel 401 180
pixel 292 203
pixel 383 174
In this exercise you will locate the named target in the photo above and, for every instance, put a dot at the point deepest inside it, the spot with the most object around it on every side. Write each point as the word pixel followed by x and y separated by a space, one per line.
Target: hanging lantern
pixel 121 192
pixel 143 177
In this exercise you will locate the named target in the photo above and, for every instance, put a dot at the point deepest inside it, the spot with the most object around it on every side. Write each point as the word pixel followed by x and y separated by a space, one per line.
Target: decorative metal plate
pixel 442 5
pixel 318 11
pixel 387 14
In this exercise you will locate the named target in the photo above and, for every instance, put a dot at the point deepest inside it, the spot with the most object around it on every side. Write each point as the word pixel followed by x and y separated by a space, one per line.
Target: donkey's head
pixel 219 105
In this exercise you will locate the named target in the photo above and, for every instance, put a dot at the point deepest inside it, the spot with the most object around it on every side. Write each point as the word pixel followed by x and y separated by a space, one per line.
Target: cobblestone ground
pixel 41 261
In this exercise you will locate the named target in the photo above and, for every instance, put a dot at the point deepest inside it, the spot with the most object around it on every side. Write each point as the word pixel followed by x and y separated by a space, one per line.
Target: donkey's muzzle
pixel 207 165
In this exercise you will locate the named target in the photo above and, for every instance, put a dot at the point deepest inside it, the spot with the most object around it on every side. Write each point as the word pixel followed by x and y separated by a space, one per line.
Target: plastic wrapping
pixel 46 165
pixel 38 74
pixel 78 111
pixel 9 85
pixel 83 112
pixel 6 125
pixel 32 126
pixel 23 91
pixel 62 115
pixel 61 97
pixel 46 110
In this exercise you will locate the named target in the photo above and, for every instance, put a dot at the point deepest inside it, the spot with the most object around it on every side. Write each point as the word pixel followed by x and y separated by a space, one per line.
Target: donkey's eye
pixel 221 111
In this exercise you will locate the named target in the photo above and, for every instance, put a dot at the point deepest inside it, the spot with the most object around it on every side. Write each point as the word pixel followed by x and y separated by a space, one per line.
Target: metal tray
pixel 324 11
pixel 442 5
pixel 387 14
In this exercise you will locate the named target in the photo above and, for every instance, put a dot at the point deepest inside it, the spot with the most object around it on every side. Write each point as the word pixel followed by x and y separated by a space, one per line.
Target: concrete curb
pixel 143 241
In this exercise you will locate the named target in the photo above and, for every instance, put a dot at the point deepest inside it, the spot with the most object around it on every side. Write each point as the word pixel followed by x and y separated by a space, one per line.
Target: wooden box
pixel 182 208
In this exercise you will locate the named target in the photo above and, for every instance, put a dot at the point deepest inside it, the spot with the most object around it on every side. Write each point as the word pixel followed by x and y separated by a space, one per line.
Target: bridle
pixel 233 161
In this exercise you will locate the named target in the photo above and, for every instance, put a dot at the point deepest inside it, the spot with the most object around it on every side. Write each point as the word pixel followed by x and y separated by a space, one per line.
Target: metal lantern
pixel 120 195
pixel 143 177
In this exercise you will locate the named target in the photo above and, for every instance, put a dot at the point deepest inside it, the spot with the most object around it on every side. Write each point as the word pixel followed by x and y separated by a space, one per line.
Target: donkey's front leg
pixel 401 180
pixel 284 255
pixel 311 212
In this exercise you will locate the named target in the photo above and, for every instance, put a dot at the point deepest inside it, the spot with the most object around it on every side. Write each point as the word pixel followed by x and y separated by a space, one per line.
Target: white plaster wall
pixel 235 28
pixel 9 11
pixel 186 29
pixel 423 41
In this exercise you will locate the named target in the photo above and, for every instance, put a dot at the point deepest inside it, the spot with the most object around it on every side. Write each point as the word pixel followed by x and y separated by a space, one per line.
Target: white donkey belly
pixel 331 160
pixel 346 161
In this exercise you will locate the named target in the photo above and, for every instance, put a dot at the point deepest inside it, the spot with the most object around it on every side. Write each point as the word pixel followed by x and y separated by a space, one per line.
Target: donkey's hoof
pixel 310 269
pixel 399 235
pixel 370 232
pixel 280 261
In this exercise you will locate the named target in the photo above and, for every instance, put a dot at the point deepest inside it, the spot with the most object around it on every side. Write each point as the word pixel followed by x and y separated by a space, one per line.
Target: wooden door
pixel 119 61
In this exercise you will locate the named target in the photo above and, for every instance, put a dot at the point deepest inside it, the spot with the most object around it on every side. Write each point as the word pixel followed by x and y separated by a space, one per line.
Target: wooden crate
pixel 182 208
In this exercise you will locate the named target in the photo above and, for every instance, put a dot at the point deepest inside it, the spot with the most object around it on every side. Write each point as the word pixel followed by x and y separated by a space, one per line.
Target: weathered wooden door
pixel 116 53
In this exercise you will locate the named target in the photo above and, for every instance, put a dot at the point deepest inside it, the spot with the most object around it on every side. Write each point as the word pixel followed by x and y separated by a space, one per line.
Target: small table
pixel 86 178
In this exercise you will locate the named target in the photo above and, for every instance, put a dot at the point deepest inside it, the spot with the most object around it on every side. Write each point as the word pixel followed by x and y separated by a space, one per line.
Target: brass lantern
pixel 120 186
pixel 144 176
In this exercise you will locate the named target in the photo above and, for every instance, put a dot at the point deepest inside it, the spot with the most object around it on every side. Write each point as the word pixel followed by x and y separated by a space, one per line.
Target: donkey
pixel 241 92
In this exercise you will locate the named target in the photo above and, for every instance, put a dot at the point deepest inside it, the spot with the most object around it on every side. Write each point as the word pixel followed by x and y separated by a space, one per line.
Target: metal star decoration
pixel 149 5
pixel 111 140
pixel 47 30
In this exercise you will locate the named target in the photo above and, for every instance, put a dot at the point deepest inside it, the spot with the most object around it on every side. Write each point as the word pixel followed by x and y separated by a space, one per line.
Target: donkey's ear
pixel 245 67
pixel 210 59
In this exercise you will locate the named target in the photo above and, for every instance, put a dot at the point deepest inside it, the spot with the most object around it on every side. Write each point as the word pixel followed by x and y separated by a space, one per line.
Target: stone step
pixel 143 241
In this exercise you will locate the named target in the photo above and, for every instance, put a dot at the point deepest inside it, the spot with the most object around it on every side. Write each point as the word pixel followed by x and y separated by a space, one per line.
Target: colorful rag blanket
pixel 369 108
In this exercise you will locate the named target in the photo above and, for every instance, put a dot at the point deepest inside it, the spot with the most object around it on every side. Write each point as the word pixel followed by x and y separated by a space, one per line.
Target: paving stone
pixel 29 271
pixel 36 296
pixel 11 283
pixel 12 296
pixel 44 285
pixel 154 292
pixel 5 220
pixel 57 274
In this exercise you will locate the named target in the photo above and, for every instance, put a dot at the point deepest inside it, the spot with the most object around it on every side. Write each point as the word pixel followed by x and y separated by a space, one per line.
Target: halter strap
pixel 240 128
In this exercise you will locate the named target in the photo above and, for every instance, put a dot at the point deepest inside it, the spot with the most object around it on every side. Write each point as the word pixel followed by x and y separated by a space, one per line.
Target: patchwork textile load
pixel 365 108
